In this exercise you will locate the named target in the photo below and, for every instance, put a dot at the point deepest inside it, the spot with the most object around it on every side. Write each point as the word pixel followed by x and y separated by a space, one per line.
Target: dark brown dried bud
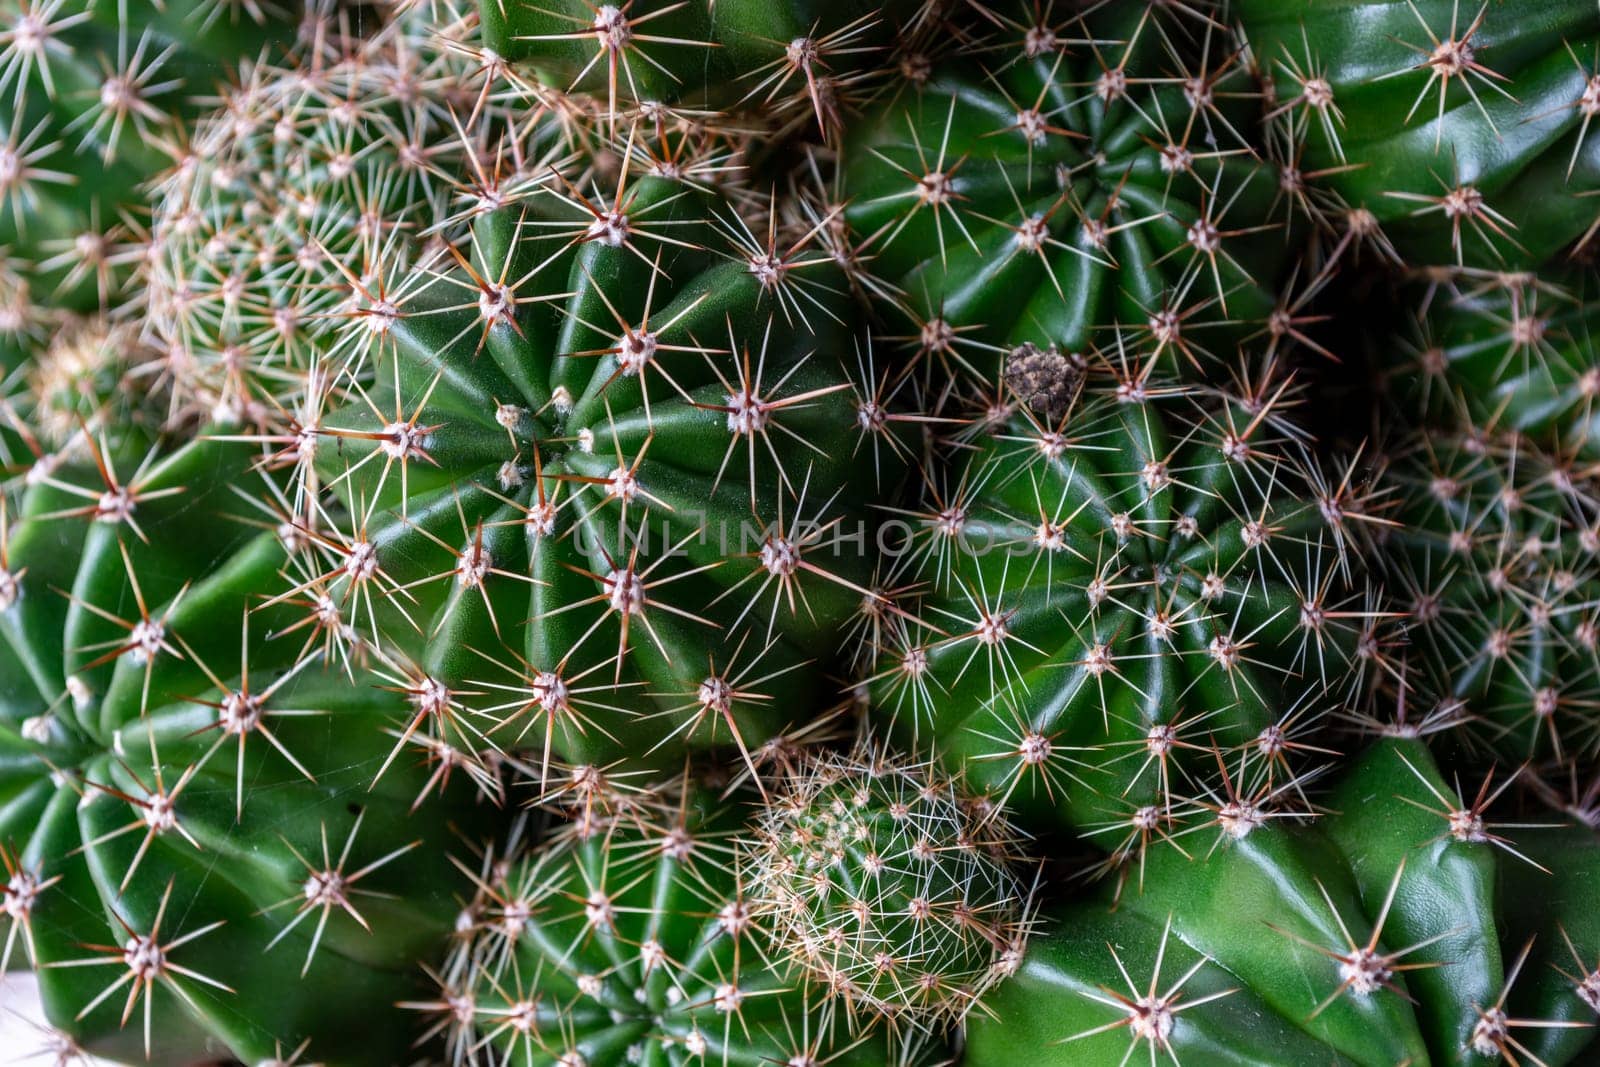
pixel 1043 379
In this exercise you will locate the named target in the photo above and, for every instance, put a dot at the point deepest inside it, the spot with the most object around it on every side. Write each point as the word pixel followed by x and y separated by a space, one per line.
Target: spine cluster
pixel 940 533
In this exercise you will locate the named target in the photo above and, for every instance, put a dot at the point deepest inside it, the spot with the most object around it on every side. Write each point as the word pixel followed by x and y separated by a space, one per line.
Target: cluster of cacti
pixel 98 98
pixel 982 531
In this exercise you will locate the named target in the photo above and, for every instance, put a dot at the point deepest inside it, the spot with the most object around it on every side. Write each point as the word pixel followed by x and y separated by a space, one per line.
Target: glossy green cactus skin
pixel 630 938
pixel 636 450
pixel 1069 190
pixel 166 772
pixel 796 57
pixel 1561 980
pixel 1247 936
pixel 100 111
pixel 1108 590
pixel 1498 565
pixel 1514 351
pixel 1481 164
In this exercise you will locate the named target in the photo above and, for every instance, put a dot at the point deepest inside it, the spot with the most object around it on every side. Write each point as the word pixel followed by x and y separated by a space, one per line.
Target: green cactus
pixel 98 95
pixel 1441 132
pixel 630 936
pixel 608 454
pixel 664 410
pixel 301 193
pixel 1513 351
pixel 1116 574
pixel 1376 938
pixel 92 373
pixel 200 853
pixel 1497 563
pixel 1059 187
pixel 885 885
pixel 804 62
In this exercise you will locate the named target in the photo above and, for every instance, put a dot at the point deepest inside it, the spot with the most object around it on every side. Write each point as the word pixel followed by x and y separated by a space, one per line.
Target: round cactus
pixel 610 447
pixel 1375 939
pixel 1062 187
pixel 90 373
pixel 200 853
pixel 1498 560
pixel 295 197
pixel 884 884
pixel 1443 132
pixel 629 936
pixel 97 98
pixel 1516 351
pixel 1112 575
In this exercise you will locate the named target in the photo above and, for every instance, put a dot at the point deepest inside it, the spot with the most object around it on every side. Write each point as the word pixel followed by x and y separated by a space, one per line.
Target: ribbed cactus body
pixel 1448 133
pixel 801 63
pixel 1375 939
pixel 201 853
pixel 1115 582
pixel 1053 191
pixel 613 448
pixel 1514 351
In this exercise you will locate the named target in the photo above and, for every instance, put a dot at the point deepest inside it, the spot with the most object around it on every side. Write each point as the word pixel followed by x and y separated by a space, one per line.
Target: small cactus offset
pixel 84 375
pixel 783 533
pixel 884 884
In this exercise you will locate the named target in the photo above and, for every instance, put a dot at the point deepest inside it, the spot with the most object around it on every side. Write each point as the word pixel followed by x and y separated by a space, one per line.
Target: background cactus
pixel 1449 133
pixel 1041 189
pixel 1510 351
pixel 799 64
pixel 1375 940
pixel 1495 563
pixel 99 98
pixel 201 852
pixel 630 936
pixel 306 195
